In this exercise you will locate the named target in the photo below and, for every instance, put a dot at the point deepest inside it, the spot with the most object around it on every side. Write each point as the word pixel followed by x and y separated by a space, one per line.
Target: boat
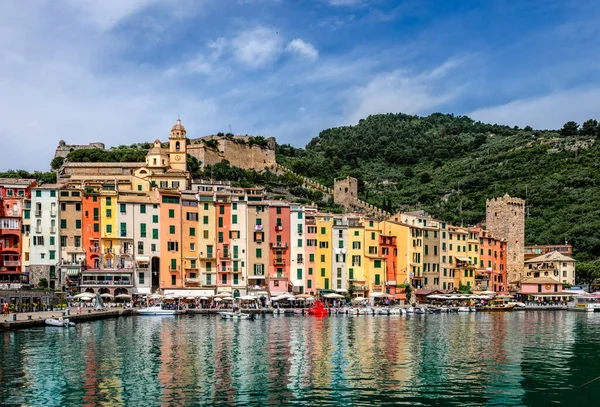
pixel 235 315
pixel 156 309
pixel 410 310
pixel 60 322
pixel 499 307
pixel 463 309
pixel 278 311
pixel 584 303
pixel 298 311
pixel 382 311
pixel 318 310
pixel 420 310
pixel 395 311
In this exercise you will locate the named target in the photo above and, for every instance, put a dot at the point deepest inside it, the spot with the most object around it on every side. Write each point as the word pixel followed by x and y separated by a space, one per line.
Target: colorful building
pixel 279 248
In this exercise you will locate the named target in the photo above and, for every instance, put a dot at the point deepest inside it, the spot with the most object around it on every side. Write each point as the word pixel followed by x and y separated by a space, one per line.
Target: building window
pixel 77 224
pixel 142 230
pixel 192 231
pixel 140 248
pixel 96 227
pixel 52 255
pixel 171 213
pixel 205 220
pixel 234 219
pixel 141 278
pixel 123 208
pixel 172 229
pixel 173 280
pixel 142 207
pixel 154 233
pixel 322 272
pixel 377 264
pixel 63 223
pixel 258 253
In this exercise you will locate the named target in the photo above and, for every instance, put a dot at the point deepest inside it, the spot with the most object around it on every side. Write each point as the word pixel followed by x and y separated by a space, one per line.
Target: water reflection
pixel 528 358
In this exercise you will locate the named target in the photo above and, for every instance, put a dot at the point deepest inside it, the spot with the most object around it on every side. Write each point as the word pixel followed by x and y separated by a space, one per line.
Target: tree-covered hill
pixel 449 165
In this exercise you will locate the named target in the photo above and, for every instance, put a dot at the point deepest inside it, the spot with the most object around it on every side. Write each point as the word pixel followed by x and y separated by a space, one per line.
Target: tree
pixel 425 178
pixel 588 272
pixel 409 173
pixel 464 289
pixel 57 162
pixel 528 129
pixel 43 283
pixel 589 128
pixel 570 129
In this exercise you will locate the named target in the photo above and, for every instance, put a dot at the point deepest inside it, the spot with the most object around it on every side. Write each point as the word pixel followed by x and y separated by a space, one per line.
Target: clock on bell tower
pixel 178 147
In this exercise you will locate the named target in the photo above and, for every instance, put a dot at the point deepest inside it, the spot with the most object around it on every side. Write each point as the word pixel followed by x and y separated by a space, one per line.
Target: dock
pixel 36 319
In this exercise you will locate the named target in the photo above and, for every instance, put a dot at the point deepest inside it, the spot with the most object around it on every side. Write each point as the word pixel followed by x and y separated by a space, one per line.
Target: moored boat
pixel 235 315
pixel 60 322
pixel 499 307
pixel 584 303
pixel 156 309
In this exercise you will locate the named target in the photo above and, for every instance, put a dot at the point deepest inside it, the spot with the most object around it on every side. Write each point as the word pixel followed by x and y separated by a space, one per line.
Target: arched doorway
pixel 155 273
pixel 104 290
pixel 89 290
pixel 236 293
pixel 121 291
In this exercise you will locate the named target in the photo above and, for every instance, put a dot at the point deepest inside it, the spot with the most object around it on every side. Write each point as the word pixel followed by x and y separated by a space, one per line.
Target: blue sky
pixel 121 71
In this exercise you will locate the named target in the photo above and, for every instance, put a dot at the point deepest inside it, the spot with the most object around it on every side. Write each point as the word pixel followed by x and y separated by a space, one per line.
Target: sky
pixel 122 71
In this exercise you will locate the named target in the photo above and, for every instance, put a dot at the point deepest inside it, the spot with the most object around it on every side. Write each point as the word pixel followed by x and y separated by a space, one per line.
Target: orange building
pixel 491 270
pixel 90 205
pixel 171 275
pixel 279 248
pixel 389 252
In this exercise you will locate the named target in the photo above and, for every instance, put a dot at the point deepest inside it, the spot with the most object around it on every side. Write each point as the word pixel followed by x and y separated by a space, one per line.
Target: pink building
pixel 279 248
pixel 540 285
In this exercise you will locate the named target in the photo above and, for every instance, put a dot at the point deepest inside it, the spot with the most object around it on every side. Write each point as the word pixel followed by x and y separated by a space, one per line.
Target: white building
pixel 339 239
pixel 554 265
pixel 297 248
pixel 239 241
pixel 44 252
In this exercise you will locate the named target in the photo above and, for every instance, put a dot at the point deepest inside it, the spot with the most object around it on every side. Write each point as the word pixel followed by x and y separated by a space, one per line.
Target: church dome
pixel 178 126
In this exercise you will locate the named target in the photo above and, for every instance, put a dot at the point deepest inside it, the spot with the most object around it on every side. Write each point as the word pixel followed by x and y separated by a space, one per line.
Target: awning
pixel 142 259
pixel 190 293
pixel 297 283
pixel 277 293
pixel 73 272
pixel 462 258
pixel 256 277
pixel 141 290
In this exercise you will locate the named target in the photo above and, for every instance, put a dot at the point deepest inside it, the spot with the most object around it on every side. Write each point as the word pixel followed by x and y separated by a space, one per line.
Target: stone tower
pixel 178 147
pixel 345 191
pixel 505 219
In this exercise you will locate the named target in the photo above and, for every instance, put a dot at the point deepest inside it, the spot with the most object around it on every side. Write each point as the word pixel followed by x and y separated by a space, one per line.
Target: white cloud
pixel 304 49
pixel 257 47
pixel 545 112
pixel 106 13
pixel 399 91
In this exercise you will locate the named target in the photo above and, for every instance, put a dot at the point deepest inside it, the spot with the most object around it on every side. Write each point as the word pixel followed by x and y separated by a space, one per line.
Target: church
pixel 162 168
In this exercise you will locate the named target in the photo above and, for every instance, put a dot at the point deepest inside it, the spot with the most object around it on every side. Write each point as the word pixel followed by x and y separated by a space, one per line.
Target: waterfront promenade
pixel 36 319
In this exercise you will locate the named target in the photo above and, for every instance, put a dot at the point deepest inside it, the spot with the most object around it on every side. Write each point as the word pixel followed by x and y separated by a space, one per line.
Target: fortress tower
pixel 505 219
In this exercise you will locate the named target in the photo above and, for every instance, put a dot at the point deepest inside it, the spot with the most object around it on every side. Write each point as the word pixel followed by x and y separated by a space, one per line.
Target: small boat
pixel 395 311
pixel 410 310
pixel 278 311
pixel 156 309
pixel 584 303
pixel 463 309
pixel 420 310
pixel 298 311
pixel 382 311
pixel 318 310
pixel 235 315
pixel 472 309
pixel 64 323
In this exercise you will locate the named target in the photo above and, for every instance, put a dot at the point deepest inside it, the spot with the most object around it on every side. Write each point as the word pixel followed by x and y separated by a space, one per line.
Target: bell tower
pixel 178 147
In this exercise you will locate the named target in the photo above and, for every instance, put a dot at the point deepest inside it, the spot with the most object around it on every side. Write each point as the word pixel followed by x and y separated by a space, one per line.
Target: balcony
pixel 53 213
pixel 226 255
pixel 277 276
pixel 278 228
pixel 126 252
pixel 94 249
pixel 38 214
pixel 194 281
pixel 12 263
pixel 279 245
pixel 279 262
pixel 120 283
pixel 311 222
pixel 258 228
pixel 208 256
pixel 109 251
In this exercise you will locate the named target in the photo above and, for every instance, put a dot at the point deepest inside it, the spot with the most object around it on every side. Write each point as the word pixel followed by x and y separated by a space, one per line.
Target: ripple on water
pixel 531 358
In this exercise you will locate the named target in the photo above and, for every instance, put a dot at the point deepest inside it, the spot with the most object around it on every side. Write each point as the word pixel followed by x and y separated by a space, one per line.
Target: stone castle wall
pixel 64 149
pixel 237 154
pixel 345 191
pixel 505 219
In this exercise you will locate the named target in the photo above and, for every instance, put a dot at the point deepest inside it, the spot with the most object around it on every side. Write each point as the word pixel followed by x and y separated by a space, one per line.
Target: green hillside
pixel 449 165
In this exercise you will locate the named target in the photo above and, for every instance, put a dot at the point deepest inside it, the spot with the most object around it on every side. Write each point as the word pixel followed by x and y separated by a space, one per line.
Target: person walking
pixel 5 308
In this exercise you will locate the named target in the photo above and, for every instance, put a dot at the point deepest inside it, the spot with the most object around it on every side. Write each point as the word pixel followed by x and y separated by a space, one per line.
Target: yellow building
pixel 458 257
pixel 357 272
pixel 409 242
pixel 323 261
pixel 374 263
pixel 109 234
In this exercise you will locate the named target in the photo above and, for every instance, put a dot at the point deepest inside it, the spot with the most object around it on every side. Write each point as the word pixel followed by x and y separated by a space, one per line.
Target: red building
pixel 224 250
pixel 389 252
pixel 14 194
pixel 491 271
pixel 279 248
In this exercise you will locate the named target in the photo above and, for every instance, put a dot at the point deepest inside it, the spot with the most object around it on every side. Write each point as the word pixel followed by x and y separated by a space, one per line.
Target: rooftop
pixel 540 280
pixel 549 257
pixel 17 181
